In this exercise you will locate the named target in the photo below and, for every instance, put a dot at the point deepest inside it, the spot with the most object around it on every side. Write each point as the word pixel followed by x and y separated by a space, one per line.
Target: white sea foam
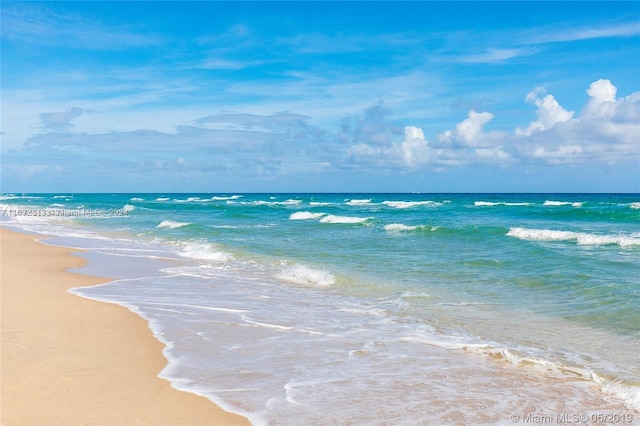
pixel 171 224
pixel 301 274
pixel 635 205
pixel 22 197
pixel 629 393
pixel 136 199
pixel 359 202
pixel 581 238
pixel 204 251
pixel 399 227
pixel 128 208
pixel 162 199
pixel 500 203
pixel 306 215
pixel 343 219
pixel 289 202
pixel 226 198
pixel 188 200
pixel 410 204
pixel 562 203
pixel 57 205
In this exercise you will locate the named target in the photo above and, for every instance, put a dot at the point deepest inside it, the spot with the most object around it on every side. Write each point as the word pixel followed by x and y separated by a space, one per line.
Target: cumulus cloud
pixel 411 152
pixel 374 141
pixel 415 148
pixel 549 112
pixel 470 131
pixel 603 100
pixel 607 130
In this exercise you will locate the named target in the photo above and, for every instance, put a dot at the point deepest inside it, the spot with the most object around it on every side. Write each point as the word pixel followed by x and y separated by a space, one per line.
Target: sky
pixel 320 96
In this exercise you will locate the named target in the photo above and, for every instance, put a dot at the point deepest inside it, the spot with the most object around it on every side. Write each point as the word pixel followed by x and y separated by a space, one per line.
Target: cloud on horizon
pixel 234 147
pixel 607 131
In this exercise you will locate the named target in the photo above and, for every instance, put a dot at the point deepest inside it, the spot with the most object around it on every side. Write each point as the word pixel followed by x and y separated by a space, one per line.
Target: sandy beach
pixel 73 361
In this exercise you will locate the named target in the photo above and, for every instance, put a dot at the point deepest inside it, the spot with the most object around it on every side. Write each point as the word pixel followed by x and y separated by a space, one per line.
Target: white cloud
pixel 575 34
pixel 382 151
pixel 607 130
pixel 414 146
pixel 549 112
pixel 470 131
pixel 603 100
pixel 494 56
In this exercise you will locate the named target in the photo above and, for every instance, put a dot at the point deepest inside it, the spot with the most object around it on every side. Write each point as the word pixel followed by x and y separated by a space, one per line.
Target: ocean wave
pixel 204 251
pixel 410 204
pixel 301 274
pixel 635 205
pixel 226 198
pixel 22 197
pixel 399 227
pixel 356 202
pixel 134 199
pixel 128 208
pixel 290 202
pixel 171 224
pixel 306 215
pixel 162 199
pixel 582 238
pixel 498 203
pixel 562 203
pixel 188 200
pixel 627 392
pixel 343 219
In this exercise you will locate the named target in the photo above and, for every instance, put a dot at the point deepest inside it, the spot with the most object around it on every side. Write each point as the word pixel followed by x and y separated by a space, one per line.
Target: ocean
pixel 360 309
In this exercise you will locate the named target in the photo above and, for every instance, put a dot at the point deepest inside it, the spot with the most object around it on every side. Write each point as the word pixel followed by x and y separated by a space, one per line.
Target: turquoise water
pixel 352 308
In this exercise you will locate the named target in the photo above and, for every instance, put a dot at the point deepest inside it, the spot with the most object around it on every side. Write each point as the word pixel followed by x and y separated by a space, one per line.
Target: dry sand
pixel 67 361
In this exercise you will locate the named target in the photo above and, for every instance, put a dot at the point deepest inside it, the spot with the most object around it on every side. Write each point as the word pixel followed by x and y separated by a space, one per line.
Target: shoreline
pixel 69 360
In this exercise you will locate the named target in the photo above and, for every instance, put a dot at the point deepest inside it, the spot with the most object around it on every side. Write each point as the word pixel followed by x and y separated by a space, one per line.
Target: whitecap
pixel 343 219
pixel 226 198
pixel 358 202
pixel 562 203
pixel 305 215
pixel 204 251
pixel 399 227
pixel 172 224
pixel 498 203
pixel 301 274
pixel 582 238
pixel 410 204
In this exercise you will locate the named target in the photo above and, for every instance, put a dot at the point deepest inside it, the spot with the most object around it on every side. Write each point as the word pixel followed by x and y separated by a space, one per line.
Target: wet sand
pixel 66 360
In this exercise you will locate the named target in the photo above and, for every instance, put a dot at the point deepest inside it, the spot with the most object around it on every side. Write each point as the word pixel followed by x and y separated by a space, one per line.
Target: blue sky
pixel 320 96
